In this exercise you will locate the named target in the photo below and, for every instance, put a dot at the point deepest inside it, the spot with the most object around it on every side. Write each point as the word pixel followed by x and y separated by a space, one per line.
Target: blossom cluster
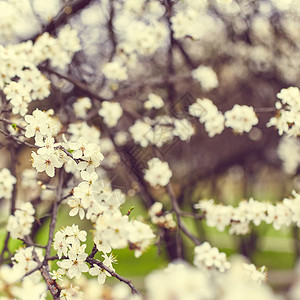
pixel 81 106
pixel 111 113
pixel 207 257
pixel 188 282
pixel 285 213
pixel 7 181
pixel 67 242
pixel 81 152
pixel 241 118
pixel 207 77
pixel 153 101
pixel 24 261
pixel 94 199
pixel 180 279
pixel 100 272
pixel 21 80
pixel 82 129
pixel 115 231
pixel 158 172
pixel 50 155
pixel 208 114
pixel 187 20
pixel 115 70
pixel 288 151
pixel 164 220
pixel 160 130
pixel 139 36
pixel 20 223
pixel 258 275
pixel 287 119
pixel 32 287
pixel 41 123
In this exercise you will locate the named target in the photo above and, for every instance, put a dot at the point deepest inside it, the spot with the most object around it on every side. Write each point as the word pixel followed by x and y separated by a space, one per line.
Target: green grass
pixel 275 260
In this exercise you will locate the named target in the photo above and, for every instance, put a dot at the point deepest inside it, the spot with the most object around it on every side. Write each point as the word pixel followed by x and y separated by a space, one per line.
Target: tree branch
pixel 63 16
pixel 93 261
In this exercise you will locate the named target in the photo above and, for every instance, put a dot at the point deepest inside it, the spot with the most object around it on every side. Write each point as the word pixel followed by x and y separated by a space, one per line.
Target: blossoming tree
pixel 106 101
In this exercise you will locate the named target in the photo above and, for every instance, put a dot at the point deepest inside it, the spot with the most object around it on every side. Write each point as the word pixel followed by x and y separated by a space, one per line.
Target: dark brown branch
pixel 161 81
pixel 93 261
pixel 94 251
pixel 185 55
pixel 110 28
pixel 31 244
pixel 170 58
pixel 31 271
pixel 6 121
pixel 63 16
pixel 130 164
pixel 18 141
pixel 53 287
pixel 112 38
pixel 177 212
pixel 190 214
pixel 5 247
pixel 295 232
pixel 81 86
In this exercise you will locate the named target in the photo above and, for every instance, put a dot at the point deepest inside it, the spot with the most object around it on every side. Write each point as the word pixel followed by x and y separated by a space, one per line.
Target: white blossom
pixel 46 162
pixel 210 257
pixel 101 273
pixel 115 71
pixel 140 131
pixel 206 76
pixel 7 181
pixel 81 106
pixel 19 225
pixel 153 101
pixel 257 275
pixel 158 172
pixel 241 118
pixel 75 264
pixel 183 129
pixel 208 114
pixel 111 113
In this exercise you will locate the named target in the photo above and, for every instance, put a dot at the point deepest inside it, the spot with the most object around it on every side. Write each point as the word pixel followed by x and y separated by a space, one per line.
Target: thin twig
pixel 177 213
pixel 31 244
pixel 6 121
pixel 53 287
pixel 81 86
pixel 18 141
pixel 265 109
pixel 31 271
pixel 54 212
pixel 5 248
pixel 170 57
pixel 64 198
pixel 191 214
pixel 97 262
pixel 63 16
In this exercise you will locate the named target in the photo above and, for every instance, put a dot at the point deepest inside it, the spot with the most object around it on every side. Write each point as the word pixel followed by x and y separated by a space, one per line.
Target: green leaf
pixel 130 210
